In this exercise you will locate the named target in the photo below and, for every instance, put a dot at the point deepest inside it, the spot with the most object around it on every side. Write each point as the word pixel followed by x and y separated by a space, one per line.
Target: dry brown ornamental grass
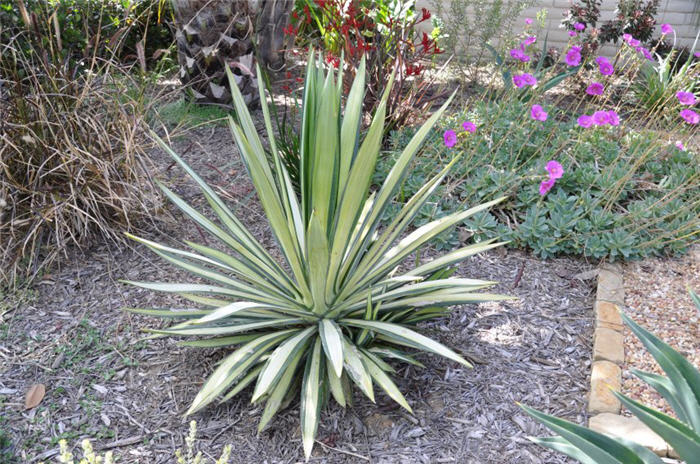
pixel 71 156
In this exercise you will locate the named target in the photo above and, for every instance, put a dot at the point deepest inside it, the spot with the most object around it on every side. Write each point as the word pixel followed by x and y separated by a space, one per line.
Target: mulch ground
pixel 104 382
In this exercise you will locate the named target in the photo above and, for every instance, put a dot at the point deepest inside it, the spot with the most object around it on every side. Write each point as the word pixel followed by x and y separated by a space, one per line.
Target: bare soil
pixel 105 382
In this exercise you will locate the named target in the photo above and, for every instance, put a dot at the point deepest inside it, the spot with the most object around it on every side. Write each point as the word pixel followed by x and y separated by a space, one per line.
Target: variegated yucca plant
pixel 339 308
pixel 680 388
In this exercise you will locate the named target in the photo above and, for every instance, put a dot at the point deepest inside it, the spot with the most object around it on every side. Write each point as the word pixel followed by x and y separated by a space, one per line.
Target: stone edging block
pixel 606 370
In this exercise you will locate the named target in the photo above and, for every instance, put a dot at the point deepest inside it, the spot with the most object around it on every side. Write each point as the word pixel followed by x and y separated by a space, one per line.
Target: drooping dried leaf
pixel 34 395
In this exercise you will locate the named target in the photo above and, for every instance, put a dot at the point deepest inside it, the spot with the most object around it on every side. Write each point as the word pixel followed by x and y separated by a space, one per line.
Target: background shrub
pixel 71 165
pixel 82 29
pixel 387 34
pixel 467 25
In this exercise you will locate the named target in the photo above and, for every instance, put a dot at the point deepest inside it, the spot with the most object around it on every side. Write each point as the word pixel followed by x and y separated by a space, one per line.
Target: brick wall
pixel 678 13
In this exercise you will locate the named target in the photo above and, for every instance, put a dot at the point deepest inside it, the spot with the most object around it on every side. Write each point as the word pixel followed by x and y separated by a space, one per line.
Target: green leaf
pixel 310 398
pixel 332 340
pixel 681 437
pixel 233 366
pixel 280 361
pixel 232 329
pixel 279 392
pixel 682 374
pixel 407 336
pixel 356 369
pixel 385 382
pixel 598 447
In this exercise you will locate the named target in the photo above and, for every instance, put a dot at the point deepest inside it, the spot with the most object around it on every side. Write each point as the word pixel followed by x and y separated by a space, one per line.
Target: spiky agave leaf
pixel 342 311
pixel 680 387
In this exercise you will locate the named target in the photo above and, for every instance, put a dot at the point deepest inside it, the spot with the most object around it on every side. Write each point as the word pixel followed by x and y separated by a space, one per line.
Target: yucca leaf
pixel 355 193
pixel 389 352
pixel 246 380
pixel 279 392
pixel 385 383
pixel 387 190
pixel 185 313
pixel 308 123
pixel 406 214
pixel 222 235
pixel 598 447
pixel 280 360
pixel 561 445
pixel 228 329
pixel 317 259
pixel 204 300
pixel 335 383
pixel 453 257
pixel 332 340
pixel 666 388
pixel 257 277
pixel 350 129
pixel 233 366
pixel 378 361
pixel 241 234
pixel 356 370
pixel 326 152
pixel 442 297
pixel 454 285
pixel 682 438
pixel 220 341
pixel 415 240
pixel 270 201
pixel 682 374
pixel 397 332
pixel 229 310
pixel 310 397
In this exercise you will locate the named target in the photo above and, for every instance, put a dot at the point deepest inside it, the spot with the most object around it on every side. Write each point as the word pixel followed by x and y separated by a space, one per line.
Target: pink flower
pixel 613 118
pixel 579 26
pixel 521 80
pixel 469 126
pixel 572 34
pixel 631 41
pixel 529 41
pixel 573 56
pixel 554 169
pixel 538 113
pixel 595 88
pixel 647 54
pixel 604 66
pixel 585 121
pixel 528 21
pixel 601 118
pixel 686 98
pixel 450 138
pixel 546 186
pixel 696 54
pixel 690 116
pixel 666 29
pixel 680 145
pixel 520 55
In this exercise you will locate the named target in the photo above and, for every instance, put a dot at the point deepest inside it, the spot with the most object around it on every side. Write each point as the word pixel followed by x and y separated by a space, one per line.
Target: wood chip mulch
pixel 656 297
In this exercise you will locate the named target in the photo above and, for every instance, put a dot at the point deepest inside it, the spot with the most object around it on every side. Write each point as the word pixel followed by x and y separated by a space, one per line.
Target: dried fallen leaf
pixel 34 395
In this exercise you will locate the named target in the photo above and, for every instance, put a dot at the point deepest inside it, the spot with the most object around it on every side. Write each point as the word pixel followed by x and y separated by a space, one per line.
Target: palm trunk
pixel 213 34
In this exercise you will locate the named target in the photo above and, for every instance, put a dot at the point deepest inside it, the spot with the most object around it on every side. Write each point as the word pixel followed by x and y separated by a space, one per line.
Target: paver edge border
pixel 608 347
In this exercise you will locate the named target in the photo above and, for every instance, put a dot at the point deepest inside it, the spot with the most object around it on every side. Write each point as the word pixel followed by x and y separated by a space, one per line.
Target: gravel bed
pixel 656 297
pixel 104 382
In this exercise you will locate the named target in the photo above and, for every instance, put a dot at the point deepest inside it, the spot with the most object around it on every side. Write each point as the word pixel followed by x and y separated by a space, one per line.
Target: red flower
pixel 425 15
